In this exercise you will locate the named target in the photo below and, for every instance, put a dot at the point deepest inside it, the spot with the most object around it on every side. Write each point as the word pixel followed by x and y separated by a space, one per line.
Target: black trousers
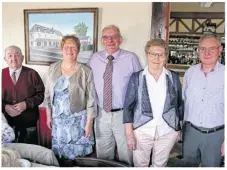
pixel 26 135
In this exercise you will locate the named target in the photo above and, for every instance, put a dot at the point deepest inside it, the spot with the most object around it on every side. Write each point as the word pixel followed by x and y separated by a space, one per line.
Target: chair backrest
pixel 34 153
pixel 95 162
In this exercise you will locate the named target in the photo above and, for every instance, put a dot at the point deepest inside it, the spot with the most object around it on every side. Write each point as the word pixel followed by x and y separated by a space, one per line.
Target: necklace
pixel 69 69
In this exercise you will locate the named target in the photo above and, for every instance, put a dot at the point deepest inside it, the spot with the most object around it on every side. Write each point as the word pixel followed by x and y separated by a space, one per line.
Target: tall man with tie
pixel 112 69
pixel 22 93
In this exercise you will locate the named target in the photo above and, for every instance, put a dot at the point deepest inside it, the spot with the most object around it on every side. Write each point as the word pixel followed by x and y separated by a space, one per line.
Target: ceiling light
pixel 206 4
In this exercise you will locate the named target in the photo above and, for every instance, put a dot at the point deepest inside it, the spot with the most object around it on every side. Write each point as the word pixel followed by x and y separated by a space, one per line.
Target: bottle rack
pixel 183 49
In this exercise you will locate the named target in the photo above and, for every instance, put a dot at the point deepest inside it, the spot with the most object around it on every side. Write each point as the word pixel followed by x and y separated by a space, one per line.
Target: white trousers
pixel 161 147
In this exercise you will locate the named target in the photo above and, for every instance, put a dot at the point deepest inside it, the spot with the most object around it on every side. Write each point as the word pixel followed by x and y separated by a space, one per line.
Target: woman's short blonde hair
pixel 72 37
pixel 10 158
pixel 159 43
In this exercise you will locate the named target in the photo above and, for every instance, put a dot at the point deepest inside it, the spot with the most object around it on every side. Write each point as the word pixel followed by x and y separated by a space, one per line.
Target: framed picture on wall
pixel 44 29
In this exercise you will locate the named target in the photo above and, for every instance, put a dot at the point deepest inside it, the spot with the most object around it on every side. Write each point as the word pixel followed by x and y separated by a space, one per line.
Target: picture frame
pixel 44 29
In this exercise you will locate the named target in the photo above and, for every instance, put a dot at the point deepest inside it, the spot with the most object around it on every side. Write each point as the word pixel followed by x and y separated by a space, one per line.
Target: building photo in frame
pixel 44 29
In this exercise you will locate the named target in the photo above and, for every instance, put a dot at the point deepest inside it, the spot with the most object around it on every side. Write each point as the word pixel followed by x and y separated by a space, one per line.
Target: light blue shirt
pixel 124 64
pixel 204 96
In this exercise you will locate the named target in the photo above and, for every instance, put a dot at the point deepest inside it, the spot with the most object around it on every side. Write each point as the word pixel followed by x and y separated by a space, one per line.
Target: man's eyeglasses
pixel 108 37
pixel 210 49
pixel 161 55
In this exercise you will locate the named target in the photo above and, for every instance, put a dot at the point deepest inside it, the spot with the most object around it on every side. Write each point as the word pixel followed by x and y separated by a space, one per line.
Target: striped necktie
pixel 14 77
pixel 107 91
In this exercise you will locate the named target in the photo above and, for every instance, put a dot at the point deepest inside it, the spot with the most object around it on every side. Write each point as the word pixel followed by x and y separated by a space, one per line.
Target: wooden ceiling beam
pixel 220 23
pixel 201 26
pixel 172 22
pixel 182 22
pixel 198 22
pixel 191 34
pixel 196 15
pixel 193 25
pixel 177 25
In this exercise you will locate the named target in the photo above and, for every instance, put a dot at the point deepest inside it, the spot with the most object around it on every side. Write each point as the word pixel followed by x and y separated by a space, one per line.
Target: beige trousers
pixel 109 132
pixel 160 146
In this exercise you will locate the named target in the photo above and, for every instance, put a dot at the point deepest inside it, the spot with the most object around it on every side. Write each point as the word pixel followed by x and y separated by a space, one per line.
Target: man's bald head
pixel 13 57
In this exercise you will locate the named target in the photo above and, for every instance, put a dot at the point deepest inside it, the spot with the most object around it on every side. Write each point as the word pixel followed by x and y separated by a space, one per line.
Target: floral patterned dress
pixel 7 131
pixel 68 132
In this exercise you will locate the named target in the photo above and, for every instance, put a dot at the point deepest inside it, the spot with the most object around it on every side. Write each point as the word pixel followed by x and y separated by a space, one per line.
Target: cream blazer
pixel 81 89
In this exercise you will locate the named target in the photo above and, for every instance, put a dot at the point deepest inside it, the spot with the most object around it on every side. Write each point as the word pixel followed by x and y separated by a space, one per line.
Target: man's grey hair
pixel 15 47
pixel 112 27
pixel 215 36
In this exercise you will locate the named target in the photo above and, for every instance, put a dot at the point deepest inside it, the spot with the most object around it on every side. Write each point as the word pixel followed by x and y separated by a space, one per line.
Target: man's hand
pixel 131 140
pixel 11 111
pixel 223 149
pixel 20 107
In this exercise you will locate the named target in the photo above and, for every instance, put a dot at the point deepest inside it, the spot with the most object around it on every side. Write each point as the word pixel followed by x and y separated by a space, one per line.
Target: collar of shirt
pixel 115 55
pixel 164 72
pixel 212 70
pixel 18 71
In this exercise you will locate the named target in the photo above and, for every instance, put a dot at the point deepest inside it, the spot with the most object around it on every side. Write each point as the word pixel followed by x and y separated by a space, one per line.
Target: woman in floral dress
pixel 69 99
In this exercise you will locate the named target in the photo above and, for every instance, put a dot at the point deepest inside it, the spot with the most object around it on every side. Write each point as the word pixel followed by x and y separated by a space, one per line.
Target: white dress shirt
pixel 17 72
pixel 157 96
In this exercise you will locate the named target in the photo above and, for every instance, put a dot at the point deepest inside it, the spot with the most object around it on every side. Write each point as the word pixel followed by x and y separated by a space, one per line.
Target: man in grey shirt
pixel 112 69
pixel 203 94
